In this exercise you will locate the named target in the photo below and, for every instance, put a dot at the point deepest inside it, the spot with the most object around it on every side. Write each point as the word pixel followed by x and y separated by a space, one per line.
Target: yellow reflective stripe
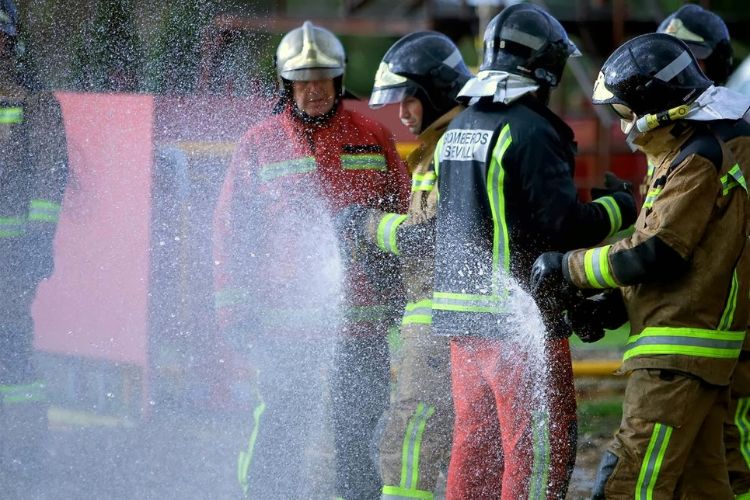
pixel 418 313
pixel 652 462
pixel 727 317
pixel 398 493
pixel 387 230
pixel 733 178
pixel 363 162
pixel 596 267
pixel 11 115
pixel 289 167
pixel 696 342
pixel 541 464
pixel 229 297
pixel 245 458
pixel 423 182
pixel 412 445
pixel 495 192
pixel 367 314
pixel 23 393
pixel 651 197
pixel 613 212
pixel 11 227
pixel 43 211
pixel 462 302
pixel 650 169
pixel 742 423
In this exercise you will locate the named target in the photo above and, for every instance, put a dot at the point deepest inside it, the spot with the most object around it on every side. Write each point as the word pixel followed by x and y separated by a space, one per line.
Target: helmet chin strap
pixel 315 120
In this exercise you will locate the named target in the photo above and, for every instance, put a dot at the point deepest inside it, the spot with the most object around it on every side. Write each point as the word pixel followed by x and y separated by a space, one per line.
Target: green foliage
pixel 174 64
pixel 107 55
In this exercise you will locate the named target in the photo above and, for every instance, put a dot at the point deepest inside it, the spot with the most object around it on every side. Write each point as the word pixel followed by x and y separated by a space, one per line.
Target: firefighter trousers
pixel 515 427
pixel 276 459
pixel 737 428
pixel 23 396
pixel 359 396
pixel 415 446
pixel 669 444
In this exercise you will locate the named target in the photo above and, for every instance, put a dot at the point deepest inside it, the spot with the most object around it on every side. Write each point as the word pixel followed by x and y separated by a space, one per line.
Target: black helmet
pixel 426 65
pixel 8 18
pixel 525 40
pixel 706 35
pixel 650 73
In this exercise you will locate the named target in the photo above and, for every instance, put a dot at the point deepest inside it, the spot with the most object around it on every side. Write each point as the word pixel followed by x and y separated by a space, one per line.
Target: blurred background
pixel 154 96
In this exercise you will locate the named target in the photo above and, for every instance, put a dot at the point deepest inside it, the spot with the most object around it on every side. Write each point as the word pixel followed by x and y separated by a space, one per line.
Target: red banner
pixel 96 302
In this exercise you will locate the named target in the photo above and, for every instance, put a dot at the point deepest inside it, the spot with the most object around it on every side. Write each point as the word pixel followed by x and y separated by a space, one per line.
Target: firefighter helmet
pixel 525 40
pixel 310 53
pixel 8 18
pixel 707 36
pixel 649 74
pixel 427 65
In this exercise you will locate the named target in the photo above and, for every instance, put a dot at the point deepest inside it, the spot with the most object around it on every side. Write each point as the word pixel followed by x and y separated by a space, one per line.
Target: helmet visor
pixel 390 95
pixel 389 87
pixel 311 74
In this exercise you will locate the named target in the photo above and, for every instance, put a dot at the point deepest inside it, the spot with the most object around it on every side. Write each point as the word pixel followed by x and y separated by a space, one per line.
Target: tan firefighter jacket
pixel 685 271
pixel 411 236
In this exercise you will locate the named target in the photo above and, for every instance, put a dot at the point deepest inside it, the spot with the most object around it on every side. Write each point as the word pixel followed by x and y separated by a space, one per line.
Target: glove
pixel 612 185
pixel 589 317
pixel 552 293
pixel 622 192
pixel 349 224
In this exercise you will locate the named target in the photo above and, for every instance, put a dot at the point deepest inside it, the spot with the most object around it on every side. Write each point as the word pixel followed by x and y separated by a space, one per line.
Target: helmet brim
pixel 311 74
pixel 390 95
pixel 699 50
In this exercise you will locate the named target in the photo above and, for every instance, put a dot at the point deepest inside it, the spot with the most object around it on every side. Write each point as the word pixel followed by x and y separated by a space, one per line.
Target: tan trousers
pixel 669 444
pixel 737 428
pixel 416 442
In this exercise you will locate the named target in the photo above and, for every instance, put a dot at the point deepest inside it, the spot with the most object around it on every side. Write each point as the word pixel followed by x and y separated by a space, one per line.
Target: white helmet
pixel 310 53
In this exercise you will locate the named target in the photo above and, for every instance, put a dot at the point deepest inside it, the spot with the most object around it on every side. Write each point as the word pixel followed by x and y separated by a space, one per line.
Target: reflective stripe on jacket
pixel 685 271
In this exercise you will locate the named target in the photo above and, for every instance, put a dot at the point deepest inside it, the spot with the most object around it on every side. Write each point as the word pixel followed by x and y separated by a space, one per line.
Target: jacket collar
pixel 429 138
pixel 663 142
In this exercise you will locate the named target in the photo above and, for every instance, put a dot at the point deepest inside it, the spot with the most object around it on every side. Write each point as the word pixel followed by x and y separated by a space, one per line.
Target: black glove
pixel 612 185
pixel 622 192
pixel 552 293
pixel 349 224
pixel 589 317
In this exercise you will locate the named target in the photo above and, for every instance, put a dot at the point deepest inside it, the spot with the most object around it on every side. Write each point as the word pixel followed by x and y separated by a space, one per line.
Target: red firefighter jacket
pixel 276 255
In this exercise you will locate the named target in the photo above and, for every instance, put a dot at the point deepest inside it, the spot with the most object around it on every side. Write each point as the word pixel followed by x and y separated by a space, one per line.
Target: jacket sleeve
pixel 553 203
pixel 400 234
pixel 48 176
pixel 666 234
pixel 232 232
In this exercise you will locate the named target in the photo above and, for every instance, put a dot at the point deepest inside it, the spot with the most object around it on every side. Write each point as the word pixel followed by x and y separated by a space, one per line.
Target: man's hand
pixel 589 317
pixel 349 223
pixel 552 293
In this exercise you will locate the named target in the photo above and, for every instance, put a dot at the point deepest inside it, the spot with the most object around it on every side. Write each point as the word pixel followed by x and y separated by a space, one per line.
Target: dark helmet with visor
pixel 707 36
pixel 426 65
pixel 650 74
pixel 525 40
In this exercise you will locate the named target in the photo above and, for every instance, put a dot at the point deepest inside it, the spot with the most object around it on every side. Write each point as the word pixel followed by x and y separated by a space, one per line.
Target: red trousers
pixel 515 430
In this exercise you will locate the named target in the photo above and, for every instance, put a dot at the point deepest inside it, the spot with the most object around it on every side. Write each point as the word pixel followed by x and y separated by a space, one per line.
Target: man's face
pixel 315 97
pixel 410 113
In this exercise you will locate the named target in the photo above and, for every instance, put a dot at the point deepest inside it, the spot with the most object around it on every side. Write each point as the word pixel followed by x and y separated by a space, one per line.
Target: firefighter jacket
pixel 285 181
pixel 411 236
pixel 684 272
pixel 33 175
pixel 505 175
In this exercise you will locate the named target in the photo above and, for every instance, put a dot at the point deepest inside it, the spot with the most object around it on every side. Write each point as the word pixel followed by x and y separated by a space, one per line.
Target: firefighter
pixel 505 176
pixel 33 173
pixel 683 274
pixel 708 38
pixel 422 72
pixel 288 178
